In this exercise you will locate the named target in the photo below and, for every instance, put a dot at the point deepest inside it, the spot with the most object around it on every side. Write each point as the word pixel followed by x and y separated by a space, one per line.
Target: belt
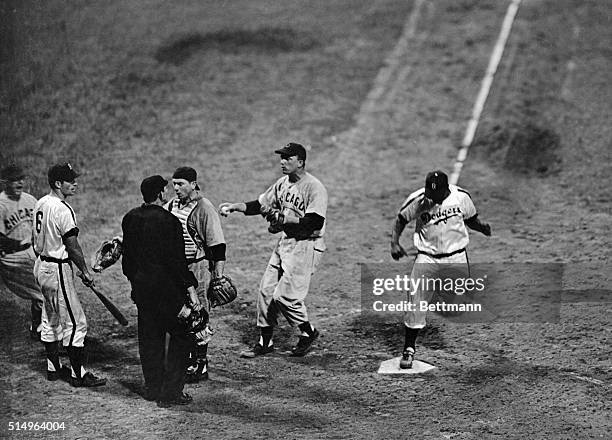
pixel 442 255
pixel 22 248
pixel 191 261
pixel 298 238
pixel 54 260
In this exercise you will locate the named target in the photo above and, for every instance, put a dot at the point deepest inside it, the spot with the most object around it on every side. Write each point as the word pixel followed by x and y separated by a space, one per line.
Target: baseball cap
pixel 436 184
pixel 187 173
pixel 293 149
pixel 151 186
pixel 62 172
pixel 12 173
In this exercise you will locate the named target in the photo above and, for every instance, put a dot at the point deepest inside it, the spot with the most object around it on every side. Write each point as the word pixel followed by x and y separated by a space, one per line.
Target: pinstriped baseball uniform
pixel 54 219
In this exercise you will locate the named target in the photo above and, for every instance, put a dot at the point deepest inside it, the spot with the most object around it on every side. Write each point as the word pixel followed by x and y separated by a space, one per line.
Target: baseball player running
pixel 204 249
pixel 56 244
pixel 296 206
pixel 16 254
pixel 441 212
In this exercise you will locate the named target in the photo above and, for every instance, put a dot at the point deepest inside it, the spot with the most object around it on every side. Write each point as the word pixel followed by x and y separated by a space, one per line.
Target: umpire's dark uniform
pixel 154 262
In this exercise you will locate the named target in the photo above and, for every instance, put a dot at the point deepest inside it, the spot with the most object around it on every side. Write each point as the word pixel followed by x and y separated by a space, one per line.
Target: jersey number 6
pixel 39 216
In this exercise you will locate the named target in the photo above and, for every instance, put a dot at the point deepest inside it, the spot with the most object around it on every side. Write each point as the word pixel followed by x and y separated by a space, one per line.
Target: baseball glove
pixel 274 217
pixel 221 291
pixel 107 254
pixel 196 324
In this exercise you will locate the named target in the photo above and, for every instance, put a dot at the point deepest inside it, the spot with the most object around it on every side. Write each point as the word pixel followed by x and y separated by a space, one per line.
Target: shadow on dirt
pixel 15 318
pixel 391 335
pixel 101 352
pixel 499 366
pixel 528 149
pixel 266 40
pixel 228 398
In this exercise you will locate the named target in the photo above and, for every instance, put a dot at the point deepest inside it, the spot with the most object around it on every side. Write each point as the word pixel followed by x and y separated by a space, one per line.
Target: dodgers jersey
pixel 53 218
pixel 440 228
pixel 307 195
pixel 16 216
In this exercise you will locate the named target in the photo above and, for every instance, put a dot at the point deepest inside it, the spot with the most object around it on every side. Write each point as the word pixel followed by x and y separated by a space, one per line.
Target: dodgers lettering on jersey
pixel 440 228
pixel 53 218
pixel 307 195
pixel 16 216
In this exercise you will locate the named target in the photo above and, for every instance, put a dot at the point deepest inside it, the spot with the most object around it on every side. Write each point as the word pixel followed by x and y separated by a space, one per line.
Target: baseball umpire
pixel 204 249
pixel 154 262
pixel 441 212
pixel 295 205
pixel 16 254
pixel 55 239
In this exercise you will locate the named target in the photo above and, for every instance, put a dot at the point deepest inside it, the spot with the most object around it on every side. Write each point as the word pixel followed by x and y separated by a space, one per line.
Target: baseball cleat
pixel 181 399
pixel 150 395
pixel 87 381
pixel 197 371
pixel 304 344
pixel 257 350
pixel 63 373
pixel 407 358
pixel 34 334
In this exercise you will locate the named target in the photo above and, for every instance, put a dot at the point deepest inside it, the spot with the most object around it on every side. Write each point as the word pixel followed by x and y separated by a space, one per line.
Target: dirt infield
pixel 128 89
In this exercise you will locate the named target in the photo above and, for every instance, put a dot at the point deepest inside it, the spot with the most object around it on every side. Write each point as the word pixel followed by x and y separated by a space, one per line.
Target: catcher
pixel 205 252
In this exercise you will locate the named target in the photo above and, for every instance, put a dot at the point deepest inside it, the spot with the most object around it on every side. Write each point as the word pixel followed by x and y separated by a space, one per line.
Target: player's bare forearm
pixel 397 251
pixel 475 224
pixel 398 227
pixel 217 270
pixel 75 253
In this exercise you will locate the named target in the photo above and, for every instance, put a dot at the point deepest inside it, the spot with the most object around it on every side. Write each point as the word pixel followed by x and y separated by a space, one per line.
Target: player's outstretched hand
pixel 397 251
pixel 226 208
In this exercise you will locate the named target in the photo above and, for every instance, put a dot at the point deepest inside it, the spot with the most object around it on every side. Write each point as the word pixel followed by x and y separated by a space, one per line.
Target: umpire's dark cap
pixel 62 172
pixel 12 173
pixel 151 187
pixel 187 173
pixel 436 184
pixel 293 149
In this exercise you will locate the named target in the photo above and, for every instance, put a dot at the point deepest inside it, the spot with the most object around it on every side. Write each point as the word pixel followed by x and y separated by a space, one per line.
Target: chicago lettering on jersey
pixel 17 217
pixel 295 200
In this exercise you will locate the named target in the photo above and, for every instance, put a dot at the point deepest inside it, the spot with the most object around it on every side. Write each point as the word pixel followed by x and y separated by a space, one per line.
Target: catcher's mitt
pixel 107 254
pixel 196 324
pixel 221 291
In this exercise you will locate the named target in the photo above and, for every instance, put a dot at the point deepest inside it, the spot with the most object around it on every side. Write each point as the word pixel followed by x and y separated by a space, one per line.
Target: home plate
pixel 392 367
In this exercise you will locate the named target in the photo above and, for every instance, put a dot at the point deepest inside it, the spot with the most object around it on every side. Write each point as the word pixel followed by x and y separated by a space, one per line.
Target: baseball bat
pixel 110 306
